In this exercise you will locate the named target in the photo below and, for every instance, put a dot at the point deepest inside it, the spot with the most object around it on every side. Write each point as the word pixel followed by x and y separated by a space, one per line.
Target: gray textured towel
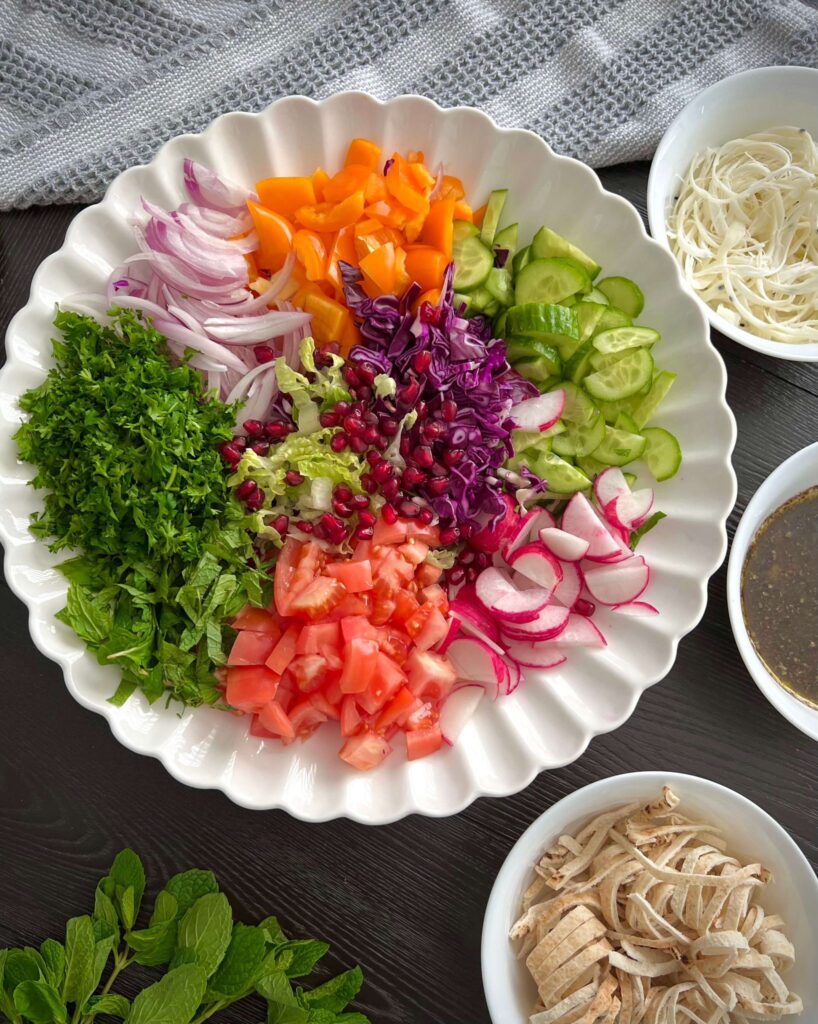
pixel 88 87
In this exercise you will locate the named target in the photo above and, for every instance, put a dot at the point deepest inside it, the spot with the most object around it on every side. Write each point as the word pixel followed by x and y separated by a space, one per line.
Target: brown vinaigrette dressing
pixel 779 594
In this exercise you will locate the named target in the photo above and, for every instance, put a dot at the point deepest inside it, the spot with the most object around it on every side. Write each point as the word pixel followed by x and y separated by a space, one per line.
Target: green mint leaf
pixel 53 954
pixel 352 1018
pixel 172 1000
pixel 126 688
pixel 155 944
pixel 88 613
pixel 274 985
pixel 241 964
pixel 80 949
pixel 20 966
pixel 273 930
pixel 205 931
pixel 102 950
pixel 111 1003
pixel 305 955
pixel 7 1006
pixel 278 1013
pixel 40 1003
pixel 321 1017
pixel 189 886
pixel 336 993
pixel 128 877
pixel 646 527
pixel 105 917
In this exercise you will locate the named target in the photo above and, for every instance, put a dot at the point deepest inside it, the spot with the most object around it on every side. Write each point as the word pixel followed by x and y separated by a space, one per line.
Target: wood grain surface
pixel 405 900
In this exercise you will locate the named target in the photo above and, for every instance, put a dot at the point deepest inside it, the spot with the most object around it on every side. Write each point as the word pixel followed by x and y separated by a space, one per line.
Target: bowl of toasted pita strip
pixel 652 898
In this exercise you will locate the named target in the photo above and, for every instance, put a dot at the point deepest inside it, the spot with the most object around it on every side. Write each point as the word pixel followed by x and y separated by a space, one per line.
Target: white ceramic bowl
pixel 736 106
pixel 552 717
pixel 799 472
pixel 753 834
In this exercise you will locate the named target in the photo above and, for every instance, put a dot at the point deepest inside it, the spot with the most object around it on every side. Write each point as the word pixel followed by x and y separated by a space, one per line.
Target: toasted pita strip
pixel 574 931
pixel 554 986
pixel 571 1002
pixel 671 875
pixel 642 968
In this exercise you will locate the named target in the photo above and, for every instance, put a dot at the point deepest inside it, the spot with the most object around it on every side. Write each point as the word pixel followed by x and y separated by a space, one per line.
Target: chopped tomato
pixel 250 687
pixel 390 533
pixel 397 710
pixel 414 551
pixel 257 729
pixel 316 635
pixel 420 531
pixel 356 576
pixel 332 656
pixel 357 625
pixel 422 742
pixel 431 676
pixel 434 630
pixel 251 648
pixel 365 750
pixel 350 716
pixel 318 597
pixel 360 657
pixel 284 650
pixel 257 619
pixel 310 671
pixel 286 563
pixel 427 574
pixel 406 605
pixel 320 702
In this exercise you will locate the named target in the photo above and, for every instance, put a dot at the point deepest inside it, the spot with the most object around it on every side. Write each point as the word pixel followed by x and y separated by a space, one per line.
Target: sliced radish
pixel 581 632
pixel 474 661
pixel 473 615
pixel 536 655
pixel 565 546
pixel 580 519
pixel 454 631
pixel 536 562
pixel 458 708
pixel 527 529
pixel 632 509
pixel 500 597
pixel 494 537
pixel 636 608
pixel 621 538
pixel 609 485
pixel 515 676
pixel 539 413
pixel 549 623
pixel 568 589
pixel 619 583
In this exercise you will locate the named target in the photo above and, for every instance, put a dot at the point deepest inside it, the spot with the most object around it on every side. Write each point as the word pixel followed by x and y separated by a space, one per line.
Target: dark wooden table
pixel 405 900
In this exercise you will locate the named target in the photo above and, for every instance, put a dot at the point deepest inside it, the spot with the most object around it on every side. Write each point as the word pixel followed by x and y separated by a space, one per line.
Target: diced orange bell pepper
pixel 331 216
pixel 343 248
pixel 451 186
pixel 366 226
pixel 285 195
pixel 362 151
pixel 275 236
pixel 437 228
pixel 378 269
pixel 432 296
pixel 353 178
pixel 424 179
pixel 390 212
pixel 375 187
pixel 462 211
pixel 479 214
pixel 329 318
pixel 401 184
pixel 426 266
pixel 311 253
pixel 413 227
pixel 415 156
pixel 402 278
pixel 319 180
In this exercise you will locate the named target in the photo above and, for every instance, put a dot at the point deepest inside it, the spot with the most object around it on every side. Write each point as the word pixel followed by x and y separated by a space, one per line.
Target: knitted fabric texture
pixel 90 87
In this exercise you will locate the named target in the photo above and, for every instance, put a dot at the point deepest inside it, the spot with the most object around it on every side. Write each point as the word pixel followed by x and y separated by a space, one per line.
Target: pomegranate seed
pixel 366 373
pixel 389 427
pixel 328 419
pixel 370 435
pixel 409 509
pixel 583 607
pixel 330 523
pixel 432 430
pixel 230 453
pixel 381 443
pixel 426 515
pixel 430 314
pixel 253 428
pixel 364 393
pixel 389 514
pixel 405 446
pixel 412 478
pixel 391 489
pixel 255 501
pixel 408 394
pixel 261 447
pixel 293 478
pixel 364 533
pixel 343 510
pixel 342 492
pixel 275 430
pixel 371 419
pixel 471 575
pixel 305 526
pixel 357 445
pixel 468 529
pixel 422 455
pixel 383 471
pixel 466 557
pixel 373 457
pixel 438 470
pixel 240 442
pixel 449 535
pixel 281 523
pixel 338 442
pixel 422 361
pixel 245 489
pixel 352 425
pixel 448 410
pixel 369 483
pixel 438 486
pixel 342 408
pixel 350 375
pixel 264 354
pixel 452 456
pixel 366 519
pixel 455 577
pixel 359 409
pixel 359 502
pixel 422 409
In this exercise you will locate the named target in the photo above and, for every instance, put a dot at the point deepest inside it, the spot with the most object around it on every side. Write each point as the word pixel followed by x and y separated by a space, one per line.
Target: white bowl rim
pixel 514 865
pixel 768 493
pixel 656 205
pixel 475 791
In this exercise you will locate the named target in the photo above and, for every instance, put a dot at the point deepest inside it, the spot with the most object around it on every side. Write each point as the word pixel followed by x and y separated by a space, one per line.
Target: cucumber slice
pixel 595 295
pixel 601 360
pixel 570 301
pixel 618 339
pixel 534 369
pixel 646 409
pixel 580 363
pixel 623 294
pixel 550 280
pixel 542 320
pixel 611 319
pixel 630 479
pixel 579 408
pixel 461 300
pixel 480 298
pixel 581 439
pixel 612 410
pixel 491 218
pixel 590 466
pixel 472 263
pixel 525 439
pixel 624 378
pixel 499 330
pixel 499 284
pixel 521 259
pixel 562 478
pixel 663 455
pixel 520 349
pixel 508 239
pixel 491 308
pixel 587 314
pixel 548 243
pixel 619 447
pixel 626 422
pixel 464 229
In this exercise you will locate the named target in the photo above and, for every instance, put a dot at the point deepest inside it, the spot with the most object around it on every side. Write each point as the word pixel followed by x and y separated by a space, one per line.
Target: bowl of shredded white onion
pixel 733 194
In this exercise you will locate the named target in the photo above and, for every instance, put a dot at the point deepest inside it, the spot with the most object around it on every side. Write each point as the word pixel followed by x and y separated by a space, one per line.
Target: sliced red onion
pixel 190 339
pixel 242 388
pixel 250 330
pixel 209 189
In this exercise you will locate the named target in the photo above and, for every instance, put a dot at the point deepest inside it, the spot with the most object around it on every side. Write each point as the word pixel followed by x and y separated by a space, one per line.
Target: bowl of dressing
pixel 733 194
pixel 772 589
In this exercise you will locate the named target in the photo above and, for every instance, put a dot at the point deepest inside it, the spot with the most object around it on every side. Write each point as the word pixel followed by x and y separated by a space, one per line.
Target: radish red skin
pixel 502 599
pixel 539 413
pixel 620 583
pixel 537 563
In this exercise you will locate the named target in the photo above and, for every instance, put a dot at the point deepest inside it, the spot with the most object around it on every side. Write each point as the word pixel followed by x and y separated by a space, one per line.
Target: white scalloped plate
pixel 550 720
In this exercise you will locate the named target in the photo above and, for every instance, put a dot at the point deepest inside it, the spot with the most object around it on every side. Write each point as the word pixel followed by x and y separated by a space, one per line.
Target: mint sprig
pixel 210 961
